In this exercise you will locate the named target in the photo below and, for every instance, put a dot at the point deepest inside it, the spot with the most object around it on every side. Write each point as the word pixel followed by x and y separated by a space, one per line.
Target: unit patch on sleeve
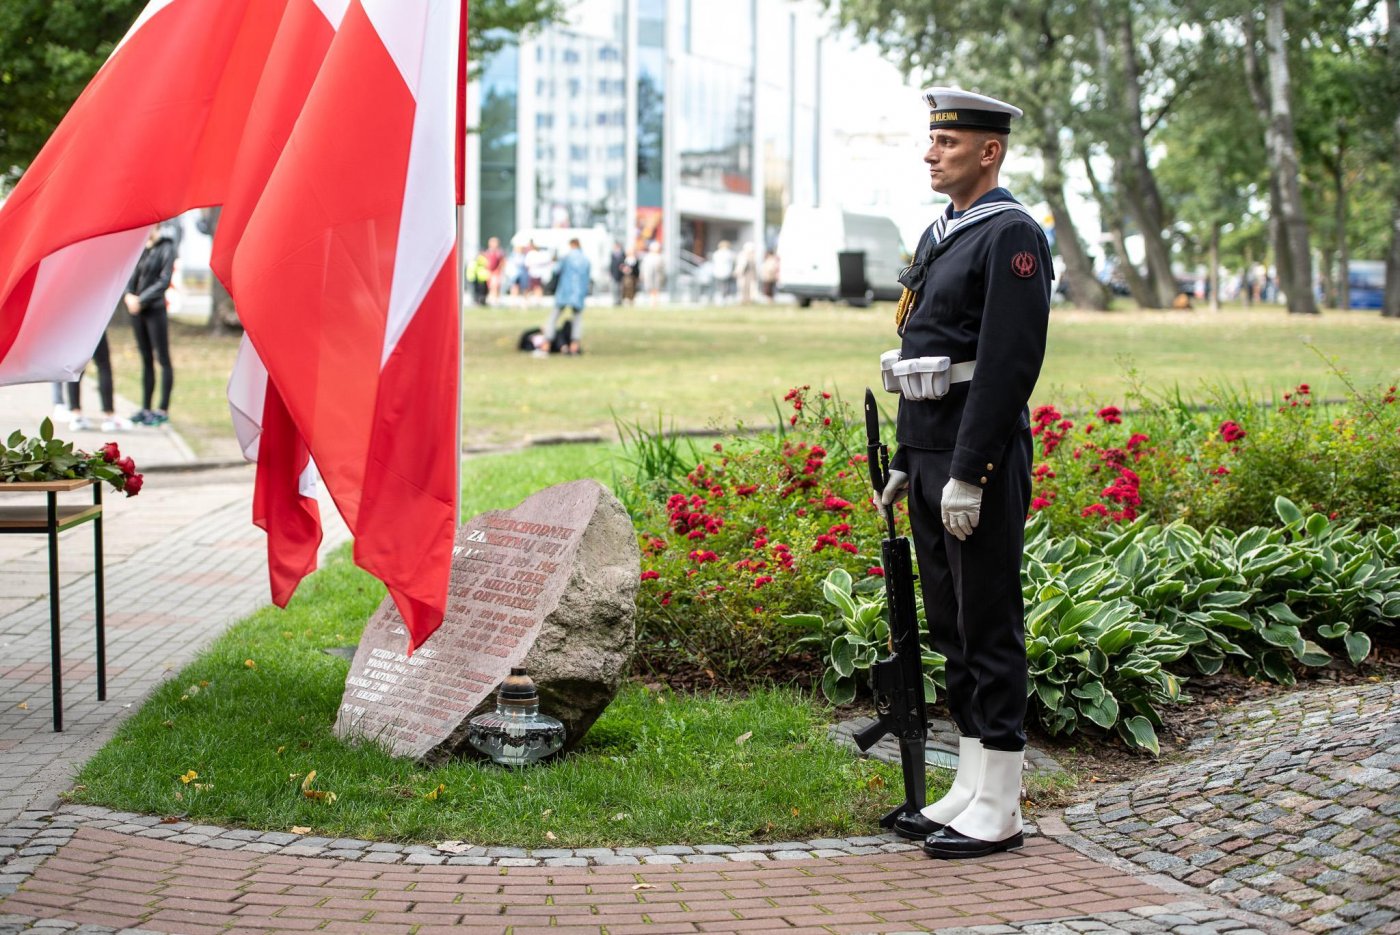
pixel 1023 264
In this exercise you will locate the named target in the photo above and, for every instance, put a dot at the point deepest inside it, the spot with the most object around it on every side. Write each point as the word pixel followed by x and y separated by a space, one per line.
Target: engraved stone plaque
pixel 510 571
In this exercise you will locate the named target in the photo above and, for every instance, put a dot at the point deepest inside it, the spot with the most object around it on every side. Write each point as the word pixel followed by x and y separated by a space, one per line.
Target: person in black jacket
pixel 145 300
pixel 972 321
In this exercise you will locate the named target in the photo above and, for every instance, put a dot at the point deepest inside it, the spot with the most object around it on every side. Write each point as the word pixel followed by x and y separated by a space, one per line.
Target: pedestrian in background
pixel 630 268
pixel 722 270
pixel 768 276
pixel 111 422
pixel 570 292
pixel 746 272
pixel 145 301
pixel 653 272
pixel 615 260
pixel 495 268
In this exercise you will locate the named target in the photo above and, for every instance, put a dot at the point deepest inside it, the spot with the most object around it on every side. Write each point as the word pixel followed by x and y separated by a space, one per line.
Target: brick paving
pixel 1285 821
pixel 97 877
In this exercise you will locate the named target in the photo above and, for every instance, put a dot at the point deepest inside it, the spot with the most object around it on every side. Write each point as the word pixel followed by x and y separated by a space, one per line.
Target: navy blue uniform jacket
pixel 984 295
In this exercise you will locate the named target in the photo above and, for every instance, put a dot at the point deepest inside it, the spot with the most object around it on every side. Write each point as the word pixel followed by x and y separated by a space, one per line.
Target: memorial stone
pixel 550 585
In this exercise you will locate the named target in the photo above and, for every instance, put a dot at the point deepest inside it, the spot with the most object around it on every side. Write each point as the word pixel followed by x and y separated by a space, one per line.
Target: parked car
pixel 1366 281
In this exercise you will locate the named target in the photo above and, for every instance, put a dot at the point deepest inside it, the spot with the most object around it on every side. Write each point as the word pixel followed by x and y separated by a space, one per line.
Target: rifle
pixel 897 681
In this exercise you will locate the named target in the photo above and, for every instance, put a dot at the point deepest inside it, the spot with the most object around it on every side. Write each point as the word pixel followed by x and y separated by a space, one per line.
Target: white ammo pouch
pixel 922 377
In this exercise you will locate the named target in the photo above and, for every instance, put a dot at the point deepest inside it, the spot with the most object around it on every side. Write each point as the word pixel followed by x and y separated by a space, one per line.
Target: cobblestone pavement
pixel 1290 810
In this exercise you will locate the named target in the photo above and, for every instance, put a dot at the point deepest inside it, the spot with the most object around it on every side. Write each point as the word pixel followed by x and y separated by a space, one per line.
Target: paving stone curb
pixel 24 844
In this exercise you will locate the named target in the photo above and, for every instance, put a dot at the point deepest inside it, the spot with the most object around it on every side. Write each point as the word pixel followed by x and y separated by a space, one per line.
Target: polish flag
pixel 325 129
pixel 154 134
pixel 345 278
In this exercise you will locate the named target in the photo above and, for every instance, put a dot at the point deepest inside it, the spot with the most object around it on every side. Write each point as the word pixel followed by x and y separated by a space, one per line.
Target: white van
pixel 809 245
pixel 595 242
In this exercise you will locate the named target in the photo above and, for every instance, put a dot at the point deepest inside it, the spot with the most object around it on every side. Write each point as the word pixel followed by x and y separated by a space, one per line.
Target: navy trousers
pixel 972 592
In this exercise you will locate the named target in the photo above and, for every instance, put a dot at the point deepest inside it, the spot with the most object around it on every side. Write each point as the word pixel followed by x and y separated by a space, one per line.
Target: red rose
pixel 128 466
pixel 110 453
pixel 650 575
pixel 133 483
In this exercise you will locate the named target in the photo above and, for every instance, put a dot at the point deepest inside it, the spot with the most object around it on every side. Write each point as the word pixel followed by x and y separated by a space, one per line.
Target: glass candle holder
pixel 516 734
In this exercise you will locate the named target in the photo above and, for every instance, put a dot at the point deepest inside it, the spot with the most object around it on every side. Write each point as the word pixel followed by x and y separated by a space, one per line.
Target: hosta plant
pixel 855 636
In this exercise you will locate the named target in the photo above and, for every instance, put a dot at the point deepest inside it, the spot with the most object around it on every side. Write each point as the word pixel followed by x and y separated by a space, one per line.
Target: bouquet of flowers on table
pixel 45 458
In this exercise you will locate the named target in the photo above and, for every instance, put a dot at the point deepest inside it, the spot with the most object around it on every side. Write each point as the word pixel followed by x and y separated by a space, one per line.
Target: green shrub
pixel 1223 466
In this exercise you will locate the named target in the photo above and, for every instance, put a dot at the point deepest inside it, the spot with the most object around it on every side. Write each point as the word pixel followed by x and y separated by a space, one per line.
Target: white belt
pixel 923 377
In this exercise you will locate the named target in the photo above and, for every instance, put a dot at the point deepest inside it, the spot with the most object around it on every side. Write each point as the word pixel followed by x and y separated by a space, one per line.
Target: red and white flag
pixel 325 129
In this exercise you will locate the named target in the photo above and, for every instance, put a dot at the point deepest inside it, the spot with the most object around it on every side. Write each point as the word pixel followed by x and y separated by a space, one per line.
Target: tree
pixel 1122 73
pixel 1270 85
pixel 49 50
pixel 1024 52
pixel 1212 165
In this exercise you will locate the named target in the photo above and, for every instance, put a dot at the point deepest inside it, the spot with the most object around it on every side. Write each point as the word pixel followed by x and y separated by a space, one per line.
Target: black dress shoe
pixel 915 827
pixel 950 845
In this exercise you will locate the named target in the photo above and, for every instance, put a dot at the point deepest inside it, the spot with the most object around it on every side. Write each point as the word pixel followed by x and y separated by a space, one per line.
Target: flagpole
pixel 460 181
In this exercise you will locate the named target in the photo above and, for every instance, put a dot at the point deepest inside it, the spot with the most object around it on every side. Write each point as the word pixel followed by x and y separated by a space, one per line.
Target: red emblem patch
pixel 1023 265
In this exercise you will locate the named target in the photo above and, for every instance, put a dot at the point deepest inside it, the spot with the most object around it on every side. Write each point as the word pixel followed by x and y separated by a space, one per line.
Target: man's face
pixel 954 159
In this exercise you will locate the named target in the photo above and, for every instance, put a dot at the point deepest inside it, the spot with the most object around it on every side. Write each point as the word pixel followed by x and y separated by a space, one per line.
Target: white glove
pixel 896 489
pixel 961 507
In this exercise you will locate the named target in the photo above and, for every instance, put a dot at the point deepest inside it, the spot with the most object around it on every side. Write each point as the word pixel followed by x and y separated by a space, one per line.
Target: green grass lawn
pixel 698 368
pixel 655 768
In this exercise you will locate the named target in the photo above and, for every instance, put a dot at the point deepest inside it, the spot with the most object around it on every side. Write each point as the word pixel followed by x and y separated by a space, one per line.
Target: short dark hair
pixel 573 242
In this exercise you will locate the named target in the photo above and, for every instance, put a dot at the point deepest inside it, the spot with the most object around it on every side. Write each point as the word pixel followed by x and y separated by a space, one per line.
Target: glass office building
pixel 679 121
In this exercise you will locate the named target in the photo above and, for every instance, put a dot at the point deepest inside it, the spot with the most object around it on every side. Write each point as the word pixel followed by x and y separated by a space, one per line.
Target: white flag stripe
pixel 427 231
pixel 334 10
pixel 247 391
pixel 75 292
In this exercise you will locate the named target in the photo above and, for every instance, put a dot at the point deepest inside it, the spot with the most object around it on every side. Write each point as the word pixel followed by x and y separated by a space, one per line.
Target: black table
pixel 50 519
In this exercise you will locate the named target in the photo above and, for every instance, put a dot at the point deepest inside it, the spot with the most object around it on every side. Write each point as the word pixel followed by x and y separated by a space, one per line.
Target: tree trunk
pixel 1278 237
pixel 1112 217
pixel 1144 201
pixel 1391 308
pixel 1213 276
pixel 223 317
pixel 1343 280
pixel 1084 290
pixel 1295 221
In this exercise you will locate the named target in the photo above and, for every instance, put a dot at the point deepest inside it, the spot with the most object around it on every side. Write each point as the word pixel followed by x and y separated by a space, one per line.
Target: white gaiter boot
pixel 937 814
pixel 992 821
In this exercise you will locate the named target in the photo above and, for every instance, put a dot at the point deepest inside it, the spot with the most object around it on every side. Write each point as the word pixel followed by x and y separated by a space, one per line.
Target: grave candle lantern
pixel 516 734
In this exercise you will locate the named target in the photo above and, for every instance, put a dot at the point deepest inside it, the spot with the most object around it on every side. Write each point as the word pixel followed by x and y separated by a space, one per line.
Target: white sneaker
pixel 80 424
pixel 116 424
pixel 61 413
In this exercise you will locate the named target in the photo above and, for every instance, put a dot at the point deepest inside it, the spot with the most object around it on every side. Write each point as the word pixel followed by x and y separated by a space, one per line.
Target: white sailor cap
pixel 951 107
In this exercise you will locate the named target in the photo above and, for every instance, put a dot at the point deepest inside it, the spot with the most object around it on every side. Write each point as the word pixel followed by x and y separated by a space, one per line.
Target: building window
pixel 544 121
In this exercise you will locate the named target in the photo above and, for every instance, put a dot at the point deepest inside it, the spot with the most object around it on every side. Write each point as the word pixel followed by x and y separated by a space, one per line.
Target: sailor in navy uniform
pixel 972 320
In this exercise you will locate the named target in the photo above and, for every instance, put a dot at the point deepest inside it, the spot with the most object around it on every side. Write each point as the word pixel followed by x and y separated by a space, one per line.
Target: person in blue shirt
pixel 570 292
